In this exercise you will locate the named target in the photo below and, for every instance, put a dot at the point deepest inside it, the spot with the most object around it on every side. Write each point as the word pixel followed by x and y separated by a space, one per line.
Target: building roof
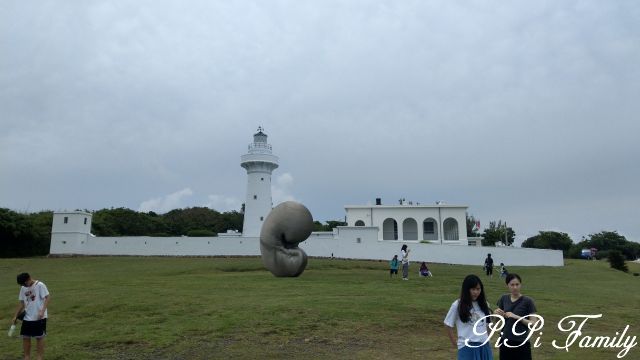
pixel 405 206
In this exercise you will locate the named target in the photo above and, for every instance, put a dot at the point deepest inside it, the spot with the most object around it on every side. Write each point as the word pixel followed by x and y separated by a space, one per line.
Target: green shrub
pixel 604 254
pixel 200 233
pixel 616 259
pixel 24 234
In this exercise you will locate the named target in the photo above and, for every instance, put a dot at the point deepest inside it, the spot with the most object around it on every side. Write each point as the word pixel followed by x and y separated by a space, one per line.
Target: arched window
pixel 450 226
pixel 430 229
pixel 389 229
pixel 409 229
pixel 359 223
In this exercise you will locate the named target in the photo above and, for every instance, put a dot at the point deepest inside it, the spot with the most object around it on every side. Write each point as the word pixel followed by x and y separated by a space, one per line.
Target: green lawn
pixel 206 308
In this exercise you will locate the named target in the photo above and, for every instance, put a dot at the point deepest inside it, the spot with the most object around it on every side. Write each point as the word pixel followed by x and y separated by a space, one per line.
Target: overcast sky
pixel 524 111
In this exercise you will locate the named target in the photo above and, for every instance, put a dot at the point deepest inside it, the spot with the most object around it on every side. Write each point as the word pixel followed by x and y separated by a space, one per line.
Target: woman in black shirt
pixel 513 307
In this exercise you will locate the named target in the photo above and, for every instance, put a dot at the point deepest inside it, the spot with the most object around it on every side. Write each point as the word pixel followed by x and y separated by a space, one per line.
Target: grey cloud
pixel 524 111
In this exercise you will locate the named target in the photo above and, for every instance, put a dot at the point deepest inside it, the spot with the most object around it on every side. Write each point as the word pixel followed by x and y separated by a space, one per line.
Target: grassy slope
pixel 203 308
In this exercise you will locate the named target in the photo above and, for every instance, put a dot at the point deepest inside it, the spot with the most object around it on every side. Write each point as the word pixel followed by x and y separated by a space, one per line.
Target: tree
pixel 472 231
pixel 331 224
pixel 13 230
pixel 616 260
pixel 550 240
pixel 177 222
pixel 317 226
pixel 200 233
pixel 125 222
pixel 498 233
pixel 24 234
pixel 233 220
pixel 605 241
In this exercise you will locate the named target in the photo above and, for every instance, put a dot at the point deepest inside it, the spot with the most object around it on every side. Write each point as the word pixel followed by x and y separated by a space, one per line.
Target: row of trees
pixel 30 234
pixel 24 234
pixel 605 242
pixel 609 244
pixel 196 221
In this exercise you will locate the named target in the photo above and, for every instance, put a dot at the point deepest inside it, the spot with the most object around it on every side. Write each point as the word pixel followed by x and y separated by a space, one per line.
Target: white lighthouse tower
pixel 259 163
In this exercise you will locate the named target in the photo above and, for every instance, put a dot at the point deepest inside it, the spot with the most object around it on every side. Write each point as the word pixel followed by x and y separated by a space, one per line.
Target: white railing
pixel 260 148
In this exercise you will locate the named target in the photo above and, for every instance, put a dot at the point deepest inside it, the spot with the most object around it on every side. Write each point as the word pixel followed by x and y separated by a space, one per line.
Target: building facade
pixel 440 223
pixel 70 232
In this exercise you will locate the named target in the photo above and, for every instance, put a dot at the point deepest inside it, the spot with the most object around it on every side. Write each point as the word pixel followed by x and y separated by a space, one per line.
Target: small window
pixel 261 179
pixel 255 197
pixel 66 219
pixel 358 240
pixel 85 221
pixel 359 223
pixel 64 242
pixel 261 218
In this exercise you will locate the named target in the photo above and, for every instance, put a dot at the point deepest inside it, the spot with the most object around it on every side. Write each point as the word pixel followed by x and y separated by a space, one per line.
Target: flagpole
pixel 506 236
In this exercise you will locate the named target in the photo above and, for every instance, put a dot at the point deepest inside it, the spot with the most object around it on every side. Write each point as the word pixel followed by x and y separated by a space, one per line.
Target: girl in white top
pixel 404 257
pixel 466 313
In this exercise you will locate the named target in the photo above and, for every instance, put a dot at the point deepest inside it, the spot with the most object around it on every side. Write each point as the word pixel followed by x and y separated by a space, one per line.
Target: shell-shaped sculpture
pixel 287 225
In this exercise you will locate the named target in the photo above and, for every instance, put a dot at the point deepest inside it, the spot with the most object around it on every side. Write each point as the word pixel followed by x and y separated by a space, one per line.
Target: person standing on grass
pixel 469 311
pixel 503 271
pixel 34 300
pixel 488 265
pixel 393 266
pixel 404 257
pixel 513 307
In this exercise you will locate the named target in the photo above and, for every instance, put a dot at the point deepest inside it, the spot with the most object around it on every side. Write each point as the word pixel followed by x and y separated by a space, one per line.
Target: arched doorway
pixel 409 229
pixel 430 229
pixel 389 229
pixel 450 226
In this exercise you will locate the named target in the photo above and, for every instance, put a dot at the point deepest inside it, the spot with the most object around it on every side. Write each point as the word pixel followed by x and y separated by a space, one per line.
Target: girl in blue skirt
pixel 467 312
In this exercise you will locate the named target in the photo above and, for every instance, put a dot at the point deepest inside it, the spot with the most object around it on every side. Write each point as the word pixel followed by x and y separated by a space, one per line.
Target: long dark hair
pixel 465 304
pixel 404 247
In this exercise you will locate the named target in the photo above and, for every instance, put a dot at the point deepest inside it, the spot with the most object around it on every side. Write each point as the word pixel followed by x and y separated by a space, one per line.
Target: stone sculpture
pixel 285 227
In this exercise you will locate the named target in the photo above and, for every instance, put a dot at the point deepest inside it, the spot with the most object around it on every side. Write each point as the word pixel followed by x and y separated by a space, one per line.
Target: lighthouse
pixel 259 163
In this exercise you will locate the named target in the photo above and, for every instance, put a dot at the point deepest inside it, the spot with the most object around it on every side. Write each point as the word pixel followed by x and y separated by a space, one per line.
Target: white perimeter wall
pixel 341 243
pixel 345 245
pixel 163 246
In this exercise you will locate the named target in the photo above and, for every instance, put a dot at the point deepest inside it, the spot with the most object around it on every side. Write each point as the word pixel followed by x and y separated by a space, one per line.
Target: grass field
pixel 208 308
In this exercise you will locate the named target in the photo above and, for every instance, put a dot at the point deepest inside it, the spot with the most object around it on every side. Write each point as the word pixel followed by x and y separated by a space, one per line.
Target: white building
pixel 436 233
pixel 440 223
pixel 70 231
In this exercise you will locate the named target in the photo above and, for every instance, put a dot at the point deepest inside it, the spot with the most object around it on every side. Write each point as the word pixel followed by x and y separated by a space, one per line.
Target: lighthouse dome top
pixel 260 136
pixel 260 145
